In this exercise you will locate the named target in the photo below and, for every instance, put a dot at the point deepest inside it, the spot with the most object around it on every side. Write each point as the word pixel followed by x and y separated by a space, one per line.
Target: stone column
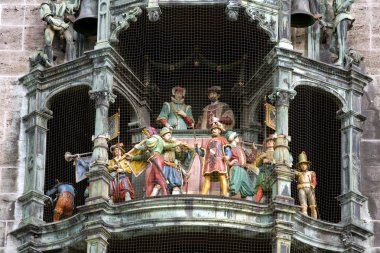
pixel 282 176
pixel 97 237
pixel 99 178
pixel 353 203
pixel 351 198
pixel 284 31
pixel 33 198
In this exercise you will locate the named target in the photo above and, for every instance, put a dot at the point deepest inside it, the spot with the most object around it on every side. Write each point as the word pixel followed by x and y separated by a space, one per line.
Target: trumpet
pixel 69 157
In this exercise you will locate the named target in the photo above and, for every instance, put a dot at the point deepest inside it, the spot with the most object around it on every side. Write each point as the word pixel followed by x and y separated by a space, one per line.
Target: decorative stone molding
pixel 267 20
pixel 121 22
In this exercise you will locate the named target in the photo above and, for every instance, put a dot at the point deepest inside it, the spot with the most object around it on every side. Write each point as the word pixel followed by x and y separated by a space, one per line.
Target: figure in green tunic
pixel 264 162
pixel 176 114
pixel 237 157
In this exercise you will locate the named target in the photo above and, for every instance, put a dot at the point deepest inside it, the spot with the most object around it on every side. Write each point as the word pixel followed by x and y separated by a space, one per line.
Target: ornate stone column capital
pixel 282 97
pixel 102 97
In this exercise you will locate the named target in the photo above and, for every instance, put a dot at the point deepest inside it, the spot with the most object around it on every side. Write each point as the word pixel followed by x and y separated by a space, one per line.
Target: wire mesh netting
pixel 315 129
pixel 197 48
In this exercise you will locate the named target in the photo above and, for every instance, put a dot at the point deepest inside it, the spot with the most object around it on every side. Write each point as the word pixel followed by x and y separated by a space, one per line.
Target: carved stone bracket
pixel 266 20
pixel 121 22
pixel 282 97
pixel 346 238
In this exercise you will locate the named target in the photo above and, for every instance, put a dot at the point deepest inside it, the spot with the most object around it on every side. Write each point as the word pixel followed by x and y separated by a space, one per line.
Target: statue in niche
pixel 342 24
pixel 58 14
pixel 237 158
pixel 216 112
pixel 176 114
pixel 63 195
pixel 214 167
pixel 306 183
pixel 120 188
pixel 264 164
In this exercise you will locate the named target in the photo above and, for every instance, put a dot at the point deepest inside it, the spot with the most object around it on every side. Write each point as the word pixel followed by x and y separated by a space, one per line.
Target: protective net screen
pixel 315 129
pixel 193 52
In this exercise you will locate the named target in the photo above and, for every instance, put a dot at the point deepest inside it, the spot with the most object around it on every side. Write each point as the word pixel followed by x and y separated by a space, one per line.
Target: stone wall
pixel 21 32
pixel 365 36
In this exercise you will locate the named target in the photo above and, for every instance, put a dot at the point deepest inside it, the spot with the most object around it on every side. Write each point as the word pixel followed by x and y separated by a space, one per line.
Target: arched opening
pixel 196 47
pixel 70 129
pixel 315 129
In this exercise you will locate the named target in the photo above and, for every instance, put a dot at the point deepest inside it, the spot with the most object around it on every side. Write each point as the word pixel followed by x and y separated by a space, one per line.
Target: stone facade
pixel 21 32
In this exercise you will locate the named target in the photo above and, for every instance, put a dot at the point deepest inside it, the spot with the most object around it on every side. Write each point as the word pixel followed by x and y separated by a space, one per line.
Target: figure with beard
pixel 176 114
pixel 216 111
pixel 214 166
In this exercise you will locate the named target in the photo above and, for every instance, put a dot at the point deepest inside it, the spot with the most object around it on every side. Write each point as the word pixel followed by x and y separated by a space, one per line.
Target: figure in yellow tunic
pixel 306 183
pixel 120 187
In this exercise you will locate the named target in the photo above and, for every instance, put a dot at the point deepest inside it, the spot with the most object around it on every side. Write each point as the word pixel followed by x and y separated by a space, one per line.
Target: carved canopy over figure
pixel 58 14
pixel 176 114
pixel 216 111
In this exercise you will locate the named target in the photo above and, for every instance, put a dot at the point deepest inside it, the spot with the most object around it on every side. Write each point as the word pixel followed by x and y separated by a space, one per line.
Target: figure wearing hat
pixel 176 114
pixel 152 149
pixel 214 167
pixel 216 112
pixel 306 183
pixel 240 182
pixel 264 164
pixel 172 171
pixel 120 187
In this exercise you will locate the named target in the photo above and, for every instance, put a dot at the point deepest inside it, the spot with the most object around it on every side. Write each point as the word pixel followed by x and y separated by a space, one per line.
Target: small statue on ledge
pixel 306 183
pixel 63 195
pixel 176 114
pixel 342 24
pixel 58 14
